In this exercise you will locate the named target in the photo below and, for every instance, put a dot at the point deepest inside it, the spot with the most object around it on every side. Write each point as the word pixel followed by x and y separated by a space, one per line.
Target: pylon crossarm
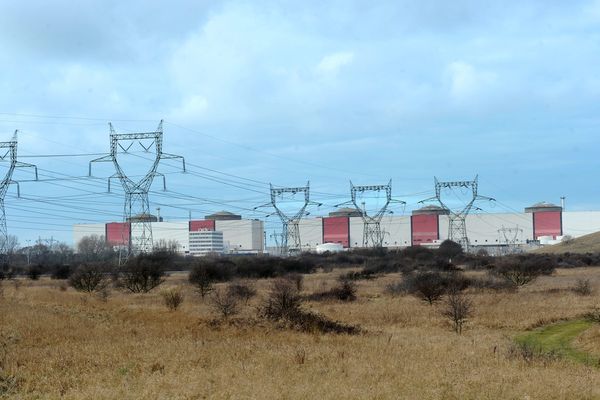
pixel 106 158
pixel 167 156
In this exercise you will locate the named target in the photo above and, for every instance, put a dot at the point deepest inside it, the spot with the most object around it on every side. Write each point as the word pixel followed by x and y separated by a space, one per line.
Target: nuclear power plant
pixel 228 233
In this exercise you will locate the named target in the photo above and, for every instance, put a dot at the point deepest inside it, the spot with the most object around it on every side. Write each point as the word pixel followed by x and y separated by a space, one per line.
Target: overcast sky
pixel 286 92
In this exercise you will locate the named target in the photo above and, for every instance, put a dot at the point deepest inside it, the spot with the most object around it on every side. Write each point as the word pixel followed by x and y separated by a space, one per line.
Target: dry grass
pixel 62 344
pixel 583 244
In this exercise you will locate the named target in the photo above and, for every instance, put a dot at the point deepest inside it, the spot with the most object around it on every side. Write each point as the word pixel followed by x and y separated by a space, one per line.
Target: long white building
pixel 541 223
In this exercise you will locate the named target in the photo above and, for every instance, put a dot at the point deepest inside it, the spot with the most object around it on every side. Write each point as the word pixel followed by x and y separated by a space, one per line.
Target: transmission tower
pixel 8 156
pixel 290 237
pixel 372 234
pixel 457 227
pixel 509 237
pixel 137 207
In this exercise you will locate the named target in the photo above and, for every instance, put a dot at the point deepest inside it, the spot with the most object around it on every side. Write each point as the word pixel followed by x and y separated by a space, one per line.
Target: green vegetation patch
pixel 558 339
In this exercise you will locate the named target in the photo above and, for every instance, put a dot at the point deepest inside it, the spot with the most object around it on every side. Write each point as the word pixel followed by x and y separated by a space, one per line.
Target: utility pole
pixel 372 234
pixel 136 211
pixel 8 156
pixel 457 226
pixel 290 238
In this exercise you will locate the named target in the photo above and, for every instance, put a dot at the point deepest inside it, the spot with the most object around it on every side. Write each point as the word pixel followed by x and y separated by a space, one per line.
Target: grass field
pixel 64 344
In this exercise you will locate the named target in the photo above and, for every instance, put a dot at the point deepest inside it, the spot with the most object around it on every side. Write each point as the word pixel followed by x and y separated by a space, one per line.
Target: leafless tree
pixel 93 247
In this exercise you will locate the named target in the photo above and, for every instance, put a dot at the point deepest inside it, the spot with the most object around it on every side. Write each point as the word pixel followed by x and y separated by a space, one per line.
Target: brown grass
pixel 62 344
pixel 584 244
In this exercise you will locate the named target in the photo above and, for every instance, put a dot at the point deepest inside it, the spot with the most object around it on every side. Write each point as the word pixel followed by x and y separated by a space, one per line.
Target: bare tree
pixel 93 247
pixel 458 308
pixel 169 246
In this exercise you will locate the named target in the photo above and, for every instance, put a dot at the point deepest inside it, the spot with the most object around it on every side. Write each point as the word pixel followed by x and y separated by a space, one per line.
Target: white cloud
pixel 332 63
pixel 467 82
pixel 192 109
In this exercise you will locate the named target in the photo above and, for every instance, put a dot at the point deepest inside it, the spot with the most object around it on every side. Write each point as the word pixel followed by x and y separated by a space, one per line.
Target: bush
pixel 345 291
pixel 593 315
pixel 449 249
pixel 427 286
pixel 242 291
pixel 34 272
pixel 202 279
pixel 284 305
pixel 144 272
pixel 521 270
pixel 583 287
pixel 396 288
pixel 224 302
pixel 297 279
pixel 61 271
pixel 89 278
pixel 172 298
pixel 283 301
pixel 457 308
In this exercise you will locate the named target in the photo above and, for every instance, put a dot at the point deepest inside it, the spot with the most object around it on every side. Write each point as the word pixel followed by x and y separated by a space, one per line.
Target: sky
pixel 285 92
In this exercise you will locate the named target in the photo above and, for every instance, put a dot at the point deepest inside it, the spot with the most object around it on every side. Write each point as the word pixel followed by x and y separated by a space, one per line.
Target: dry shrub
pixel 283 301
pixel 103 294
pixel 345 291
pixel 457 308
pixel 89 278
pixel 172 298
pixel 244 291
pixel 203 280
pixel 144 272
pixel 521 270
pixel 297 279
pixel 284 305
pixel 531 353
pixel 224 302
pixel 395 289
pixel 583 287
pixel 427 286
pixel 593 315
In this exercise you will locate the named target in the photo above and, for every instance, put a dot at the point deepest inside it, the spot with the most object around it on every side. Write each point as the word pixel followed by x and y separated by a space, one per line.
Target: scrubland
pixel 59 343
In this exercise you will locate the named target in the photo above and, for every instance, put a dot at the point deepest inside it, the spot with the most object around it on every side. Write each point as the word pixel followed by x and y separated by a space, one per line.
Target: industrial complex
pixel 228 233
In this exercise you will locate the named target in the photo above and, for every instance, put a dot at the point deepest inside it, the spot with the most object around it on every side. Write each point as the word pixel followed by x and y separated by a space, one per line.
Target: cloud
pixel 467 82
pixel 332 63
pixel 192 110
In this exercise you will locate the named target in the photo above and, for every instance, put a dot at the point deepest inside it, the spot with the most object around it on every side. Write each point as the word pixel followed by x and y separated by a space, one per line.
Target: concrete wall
pixel 482 229
pixel 356 232
pixel 242 235
pixel 311 233
pixel 579 223
pixel 172 231
pixel 397 231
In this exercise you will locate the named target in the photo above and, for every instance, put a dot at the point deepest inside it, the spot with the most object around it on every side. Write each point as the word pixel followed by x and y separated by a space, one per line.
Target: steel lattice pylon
pixel 290 237
pixel 8 154
pixel 136 211
pixel 510 237
pixel 457 226
pixel 373 236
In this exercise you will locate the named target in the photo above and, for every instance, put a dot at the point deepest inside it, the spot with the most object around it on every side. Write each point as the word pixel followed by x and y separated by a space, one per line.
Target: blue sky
pixel 286 92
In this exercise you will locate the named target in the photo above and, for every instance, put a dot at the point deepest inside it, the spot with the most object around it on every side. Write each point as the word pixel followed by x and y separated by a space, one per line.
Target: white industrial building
pixel 542 223
pixel 236 235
